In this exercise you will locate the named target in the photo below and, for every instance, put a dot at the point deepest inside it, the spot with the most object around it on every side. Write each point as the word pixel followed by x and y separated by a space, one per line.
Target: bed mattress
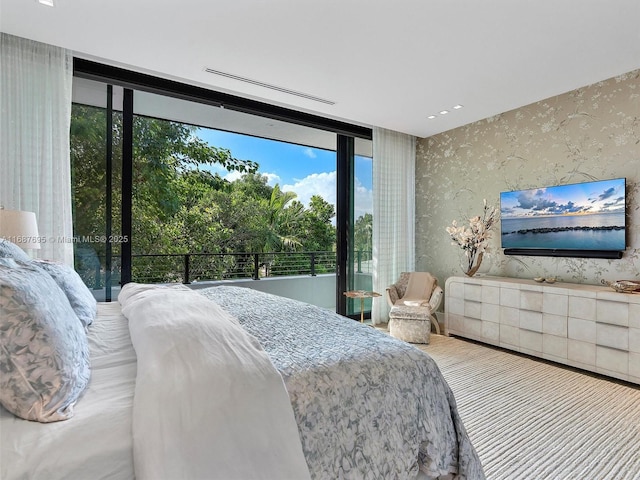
pixel 366 405
pixel 96 443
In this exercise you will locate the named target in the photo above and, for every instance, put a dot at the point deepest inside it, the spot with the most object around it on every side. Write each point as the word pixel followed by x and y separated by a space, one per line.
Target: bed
pixel 364 405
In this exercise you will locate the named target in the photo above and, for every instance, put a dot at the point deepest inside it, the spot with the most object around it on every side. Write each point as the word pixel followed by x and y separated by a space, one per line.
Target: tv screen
pixel 578 218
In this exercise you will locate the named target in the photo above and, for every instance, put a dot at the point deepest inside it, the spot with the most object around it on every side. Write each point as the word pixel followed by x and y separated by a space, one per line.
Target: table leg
pixel 362 310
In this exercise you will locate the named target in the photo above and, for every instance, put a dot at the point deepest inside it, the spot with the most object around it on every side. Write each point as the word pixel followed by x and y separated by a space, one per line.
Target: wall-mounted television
pixel 579 220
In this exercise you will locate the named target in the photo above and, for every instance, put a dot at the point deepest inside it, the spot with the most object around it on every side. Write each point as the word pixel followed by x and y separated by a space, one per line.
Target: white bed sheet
pixel 98 442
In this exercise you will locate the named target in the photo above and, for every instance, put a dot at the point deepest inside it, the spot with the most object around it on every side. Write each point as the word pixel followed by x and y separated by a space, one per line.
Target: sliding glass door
pixel 362 221
pixel 96 177
pixel 190 192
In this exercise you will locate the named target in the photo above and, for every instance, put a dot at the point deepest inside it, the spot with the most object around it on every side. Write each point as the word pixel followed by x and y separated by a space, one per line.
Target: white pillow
pixel 132 290
pixel 80 297
pixel 11 250
pixel 44 353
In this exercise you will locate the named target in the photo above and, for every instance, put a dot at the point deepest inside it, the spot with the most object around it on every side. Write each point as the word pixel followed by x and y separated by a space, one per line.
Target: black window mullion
pixel 127 184
pixel 109 194
pixel 344 220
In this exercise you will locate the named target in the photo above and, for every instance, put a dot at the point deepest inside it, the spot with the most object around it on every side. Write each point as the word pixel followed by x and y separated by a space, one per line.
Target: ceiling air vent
pixel 272 87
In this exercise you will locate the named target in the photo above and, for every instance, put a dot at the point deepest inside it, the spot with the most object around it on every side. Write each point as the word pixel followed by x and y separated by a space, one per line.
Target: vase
pixel 471 269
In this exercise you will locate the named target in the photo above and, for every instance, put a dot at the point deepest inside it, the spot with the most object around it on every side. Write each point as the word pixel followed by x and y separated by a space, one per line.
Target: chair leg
pixel 435 323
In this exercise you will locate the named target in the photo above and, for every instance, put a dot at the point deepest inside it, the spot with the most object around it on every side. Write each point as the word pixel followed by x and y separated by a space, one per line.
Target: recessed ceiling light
pixel 48 3
pixel 444 112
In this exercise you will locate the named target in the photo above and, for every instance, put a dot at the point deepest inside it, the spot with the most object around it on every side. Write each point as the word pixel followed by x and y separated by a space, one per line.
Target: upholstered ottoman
pixel 411 324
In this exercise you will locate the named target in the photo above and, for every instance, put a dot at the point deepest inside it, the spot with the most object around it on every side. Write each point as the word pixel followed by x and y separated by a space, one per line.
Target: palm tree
pixel 283 221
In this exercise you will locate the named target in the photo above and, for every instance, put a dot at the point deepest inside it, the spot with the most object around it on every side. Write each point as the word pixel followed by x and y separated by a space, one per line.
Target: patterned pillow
pixel 44 354
pixel 11 250
pixel 80 297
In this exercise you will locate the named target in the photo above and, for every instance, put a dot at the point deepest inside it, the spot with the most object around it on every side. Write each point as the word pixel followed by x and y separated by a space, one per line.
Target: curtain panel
pixel 35 117
pixel 394 158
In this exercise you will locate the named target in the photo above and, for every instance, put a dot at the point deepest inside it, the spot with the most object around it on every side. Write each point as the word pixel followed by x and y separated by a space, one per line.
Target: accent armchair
pixel 413 300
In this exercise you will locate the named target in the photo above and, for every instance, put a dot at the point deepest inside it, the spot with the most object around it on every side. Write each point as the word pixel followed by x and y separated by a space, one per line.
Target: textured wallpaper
pixel 592 133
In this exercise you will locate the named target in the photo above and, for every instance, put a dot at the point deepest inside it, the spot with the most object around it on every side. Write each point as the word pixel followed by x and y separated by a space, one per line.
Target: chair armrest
pixel 436 299
pixel 392 295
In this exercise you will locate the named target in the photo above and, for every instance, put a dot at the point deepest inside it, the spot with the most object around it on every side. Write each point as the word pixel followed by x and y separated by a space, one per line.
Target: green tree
pixel 319 233
pixel 253 185
pixel 180 206
pixel 164 152
pixel 363 233
pixel 282 221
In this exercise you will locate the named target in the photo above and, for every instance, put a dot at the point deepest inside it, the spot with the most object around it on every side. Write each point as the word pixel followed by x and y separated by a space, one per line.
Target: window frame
pixel 345 155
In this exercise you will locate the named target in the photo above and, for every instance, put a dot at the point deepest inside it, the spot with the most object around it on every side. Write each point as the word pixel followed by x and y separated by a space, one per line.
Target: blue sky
pixel 576 199
pixel 304 170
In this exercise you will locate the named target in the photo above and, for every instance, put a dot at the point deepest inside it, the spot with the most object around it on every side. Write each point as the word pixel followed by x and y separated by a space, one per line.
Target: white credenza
pixel 584 326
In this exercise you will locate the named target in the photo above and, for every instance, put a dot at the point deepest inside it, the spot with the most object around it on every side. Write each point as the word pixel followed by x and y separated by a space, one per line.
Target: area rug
pixel 533 420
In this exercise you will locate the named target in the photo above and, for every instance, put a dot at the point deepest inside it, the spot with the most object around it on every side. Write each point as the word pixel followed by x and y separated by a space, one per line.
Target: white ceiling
pixel 384 63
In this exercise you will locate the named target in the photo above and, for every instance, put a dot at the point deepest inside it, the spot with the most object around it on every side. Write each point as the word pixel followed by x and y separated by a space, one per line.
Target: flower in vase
pixel 474 238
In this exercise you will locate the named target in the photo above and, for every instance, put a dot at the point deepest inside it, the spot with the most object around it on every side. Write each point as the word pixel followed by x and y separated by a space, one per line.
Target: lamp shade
pixel 20 227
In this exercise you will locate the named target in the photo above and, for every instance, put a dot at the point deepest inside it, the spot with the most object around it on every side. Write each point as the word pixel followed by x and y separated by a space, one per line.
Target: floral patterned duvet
pixel 368 406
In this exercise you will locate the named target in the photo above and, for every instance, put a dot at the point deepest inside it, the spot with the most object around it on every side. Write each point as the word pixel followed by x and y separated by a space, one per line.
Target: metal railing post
pixel 313 264
pixel 359 261
pixel 96 280
pixel 186 269
pixel 256 260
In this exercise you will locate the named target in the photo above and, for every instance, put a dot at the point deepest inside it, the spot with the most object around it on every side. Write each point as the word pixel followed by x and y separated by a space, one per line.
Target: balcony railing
pixel 195 267
pixel 187 268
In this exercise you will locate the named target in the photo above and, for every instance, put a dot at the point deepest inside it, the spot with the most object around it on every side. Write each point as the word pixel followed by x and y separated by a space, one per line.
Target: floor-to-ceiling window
pixel 210 192
pixel 96 178
pixel 213 204
pixel 362 221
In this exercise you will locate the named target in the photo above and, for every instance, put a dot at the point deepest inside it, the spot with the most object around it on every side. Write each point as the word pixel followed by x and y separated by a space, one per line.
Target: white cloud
pixel 324 184
pixel 309 152
pixel 363 199
pixel 214 168
pixel 232 175
pixel 272 178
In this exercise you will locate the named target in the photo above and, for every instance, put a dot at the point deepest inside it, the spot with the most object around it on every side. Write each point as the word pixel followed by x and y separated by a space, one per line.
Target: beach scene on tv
pixel 582 216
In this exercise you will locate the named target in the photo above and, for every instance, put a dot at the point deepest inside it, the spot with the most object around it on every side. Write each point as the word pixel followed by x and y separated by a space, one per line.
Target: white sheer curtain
pixel 35 115
pixel 394 157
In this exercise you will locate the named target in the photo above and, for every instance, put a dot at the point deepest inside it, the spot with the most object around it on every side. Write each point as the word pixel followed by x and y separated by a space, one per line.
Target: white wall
pixel 587 134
